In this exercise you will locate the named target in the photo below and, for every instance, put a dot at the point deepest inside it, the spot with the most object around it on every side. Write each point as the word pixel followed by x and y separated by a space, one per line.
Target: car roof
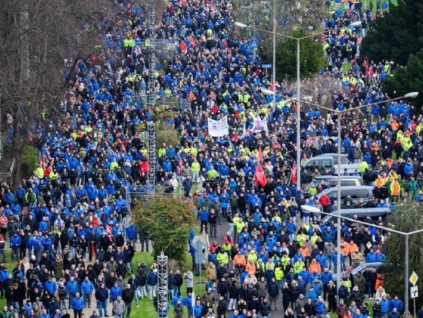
pixel 327 155
pixel 349 188
pixel 363 266
pixel 330 177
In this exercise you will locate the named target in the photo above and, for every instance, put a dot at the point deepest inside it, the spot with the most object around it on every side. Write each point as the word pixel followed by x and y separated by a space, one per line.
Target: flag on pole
pixel 294 173
pixel 260 155
pixel 259 176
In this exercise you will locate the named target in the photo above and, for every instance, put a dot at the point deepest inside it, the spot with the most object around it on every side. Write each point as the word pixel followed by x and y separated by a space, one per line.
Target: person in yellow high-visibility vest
pixel 395 190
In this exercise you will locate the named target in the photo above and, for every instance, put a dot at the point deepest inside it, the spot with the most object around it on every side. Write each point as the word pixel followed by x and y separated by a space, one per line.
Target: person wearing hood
pixel 360 282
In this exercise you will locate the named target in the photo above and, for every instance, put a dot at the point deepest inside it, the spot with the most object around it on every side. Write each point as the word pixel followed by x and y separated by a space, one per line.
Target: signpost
pixel 266 67
pixel 414 291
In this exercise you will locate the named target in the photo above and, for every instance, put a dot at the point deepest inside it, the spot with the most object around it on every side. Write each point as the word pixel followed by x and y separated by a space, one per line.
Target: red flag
pixel 259 176
pixel 260 155
pixel 294 173
pixel 93 250
pixel 94 221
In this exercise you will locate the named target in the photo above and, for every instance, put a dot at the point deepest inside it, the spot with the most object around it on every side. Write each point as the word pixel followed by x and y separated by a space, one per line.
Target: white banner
pixel 260 124
pixel 218 128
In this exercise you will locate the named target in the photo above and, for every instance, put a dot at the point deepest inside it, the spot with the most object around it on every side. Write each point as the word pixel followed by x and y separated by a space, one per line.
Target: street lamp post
pixel 339 113
pixel 274 53
pixel 298 111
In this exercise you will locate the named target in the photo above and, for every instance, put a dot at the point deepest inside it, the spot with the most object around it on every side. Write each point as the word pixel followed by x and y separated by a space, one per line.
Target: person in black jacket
pixel 233 295
pixel 128 297
pixel 294 292
pixel 178 282
pixel 102 295
pixel 377 310
pixel 222 307
pixel 265 308
pixel 309 308
pixel 273 292
pixel 223 287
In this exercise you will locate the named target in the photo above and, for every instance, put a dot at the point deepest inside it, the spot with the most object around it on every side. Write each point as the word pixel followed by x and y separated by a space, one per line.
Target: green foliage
pixel 167 135
pixel 407 218
pixel 166 221
pixel 397 35
pixel 311 57
pixel 29 159
pixel 407 79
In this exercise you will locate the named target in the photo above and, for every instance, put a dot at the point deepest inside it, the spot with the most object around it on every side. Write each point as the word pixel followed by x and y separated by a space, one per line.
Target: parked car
pixel 330 181
pixel 365 193
pixel 329 161
pixel 361 269
pixel 358 214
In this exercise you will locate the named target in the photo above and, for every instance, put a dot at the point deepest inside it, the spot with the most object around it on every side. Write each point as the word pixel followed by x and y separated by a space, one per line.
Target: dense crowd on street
pixel 65 224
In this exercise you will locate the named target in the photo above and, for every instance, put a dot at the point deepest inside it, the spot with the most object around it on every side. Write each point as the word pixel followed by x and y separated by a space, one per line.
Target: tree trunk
pixel 18 146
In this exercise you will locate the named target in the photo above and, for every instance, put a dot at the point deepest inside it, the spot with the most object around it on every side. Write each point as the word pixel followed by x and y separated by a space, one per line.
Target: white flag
pixel 260 124
pixel 218 128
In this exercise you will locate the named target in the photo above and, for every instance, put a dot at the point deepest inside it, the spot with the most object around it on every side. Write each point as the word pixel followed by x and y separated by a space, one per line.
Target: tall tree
pixel 311 57
pixel 166 221
pixel 36 38
pixel 396 35
pixel 407 79
pixel 406 218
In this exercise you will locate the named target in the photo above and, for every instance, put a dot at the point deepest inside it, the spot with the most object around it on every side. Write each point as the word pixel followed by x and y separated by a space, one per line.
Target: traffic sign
pixel 414 291
pixel 414 278
pixel 266 66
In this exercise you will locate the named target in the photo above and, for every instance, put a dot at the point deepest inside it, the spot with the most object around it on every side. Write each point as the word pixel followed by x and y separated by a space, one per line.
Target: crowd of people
pixel 65 224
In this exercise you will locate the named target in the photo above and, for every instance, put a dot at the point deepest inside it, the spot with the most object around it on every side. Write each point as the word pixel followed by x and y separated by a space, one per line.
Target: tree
pixel 311 57
pixel 407 79
pixel 166 221
pixel 396 35
pixel 406 219
pixel 36 38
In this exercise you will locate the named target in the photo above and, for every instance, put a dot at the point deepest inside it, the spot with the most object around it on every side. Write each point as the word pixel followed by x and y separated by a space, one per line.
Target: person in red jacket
pixel 325 202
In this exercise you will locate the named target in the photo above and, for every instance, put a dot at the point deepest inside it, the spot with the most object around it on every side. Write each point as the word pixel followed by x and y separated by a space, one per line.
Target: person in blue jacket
pixel 50 286
pixel 87 288
pixel 397 303
pixel 152 283
pixel 320 307
pixel 198 309
pixel 72 287
pixel 384 306
pixel 115 292
pixel 77 304
pixel 15 244
pixel 131 234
